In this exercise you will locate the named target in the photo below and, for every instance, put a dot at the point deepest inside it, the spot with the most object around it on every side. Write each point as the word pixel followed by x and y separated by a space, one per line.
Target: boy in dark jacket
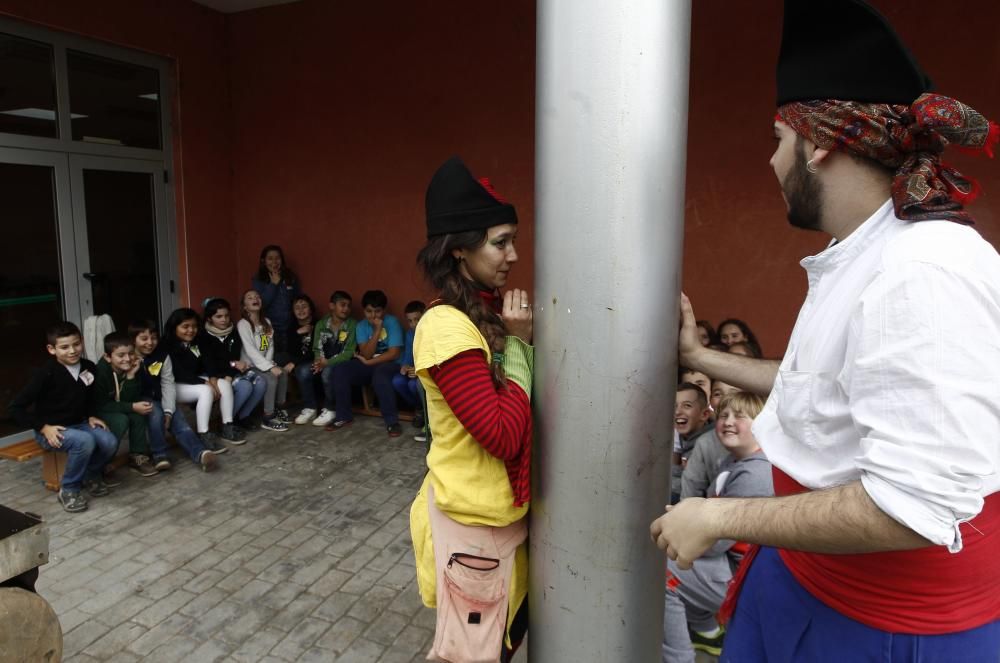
pixel 58 403
pixel 120 403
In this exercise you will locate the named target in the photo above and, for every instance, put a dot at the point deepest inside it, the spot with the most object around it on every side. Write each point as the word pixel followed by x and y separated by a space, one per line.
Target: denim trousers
pixel 88 450
pixel 186 438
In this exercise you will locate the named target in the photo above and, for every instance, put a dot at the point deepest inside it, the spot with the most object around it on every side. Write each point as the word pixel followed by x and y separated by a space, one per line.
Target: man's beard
pixel 803 192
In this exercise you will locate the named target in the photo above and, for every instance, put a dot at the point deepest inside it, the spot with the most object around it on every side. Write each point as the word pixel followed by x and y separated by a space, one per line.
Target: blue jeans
pixel 88 450
pixel 308 382
pixel 182 432
pixel 247 393
pixel 353 373
pixel 406 387
pixel 778 621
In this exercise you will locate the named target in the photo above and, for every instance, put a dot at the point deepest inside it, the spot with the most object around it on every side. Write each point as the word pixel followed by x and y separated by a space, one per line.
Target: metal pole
pixel 611 118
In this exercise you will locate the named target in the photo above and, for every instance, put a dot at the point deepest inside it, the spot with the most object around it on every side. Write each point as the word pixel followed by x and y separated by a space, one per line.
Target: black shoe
pixel 73 502
pixel 394 430
pixel 711 646
pixel 96 488
pixel 282 414
pixel 212 443
pixel 418 420
pixel 162 464
pixel 110 480
pixel 233 434
pixel 274 423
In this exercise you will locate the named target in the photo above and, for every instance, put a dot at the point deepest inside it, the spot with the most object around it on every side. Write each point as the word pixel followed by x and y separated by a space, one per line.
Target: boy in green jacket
pixel 334 342
pixel 119 401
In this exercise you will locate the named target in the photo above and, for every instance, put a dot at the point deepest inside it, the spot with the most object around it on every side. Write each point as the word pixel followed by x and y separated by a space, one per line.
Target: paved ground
pixel 297 549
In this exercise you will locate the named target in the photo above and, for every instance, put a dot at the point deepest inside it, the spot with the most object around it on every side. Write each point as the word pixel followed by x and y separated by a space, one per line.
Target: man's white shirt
pixel 892 373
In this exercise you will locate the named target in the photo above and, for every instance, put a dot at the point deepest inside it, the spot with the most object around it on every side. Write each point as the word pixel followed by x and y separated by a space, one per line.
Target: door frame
pixel 165 239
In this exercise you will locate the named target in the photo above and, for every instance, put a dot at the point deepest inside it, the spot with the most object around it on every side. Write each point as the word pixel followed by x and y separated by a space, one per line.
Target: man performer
pixel 883 421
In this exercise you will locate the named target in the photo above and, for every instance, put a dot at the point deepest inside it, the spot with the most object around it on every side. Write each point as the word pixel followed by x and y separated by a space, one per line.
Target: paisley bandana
pixel 909 139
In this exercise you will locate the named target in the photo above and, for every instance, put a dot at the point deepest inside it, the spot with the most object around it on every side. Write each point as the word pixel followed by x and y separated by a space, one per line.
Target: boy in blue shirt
pixel 380 347
pixel 405 382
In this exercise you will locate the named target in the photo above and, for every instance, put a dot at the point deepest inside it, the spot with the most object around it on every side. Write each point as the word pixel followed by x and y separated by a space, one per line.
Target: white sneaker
pixel 325 417
pixel 305 416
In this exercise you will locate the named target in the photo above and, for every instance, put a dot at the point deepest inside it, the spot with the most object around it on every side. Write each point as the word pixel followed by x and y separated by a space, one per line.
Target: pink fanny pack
pixel 473 567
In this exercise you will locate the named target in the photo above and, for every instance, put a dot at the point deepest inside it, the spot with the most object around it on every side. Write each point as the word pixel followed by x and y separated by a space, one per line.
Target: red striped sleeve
pixel 498 419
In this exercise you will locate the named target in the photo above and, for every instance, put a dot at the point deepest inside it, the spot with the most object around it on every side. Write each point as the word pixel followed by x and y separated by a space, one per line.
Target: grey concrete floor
pixel 296 549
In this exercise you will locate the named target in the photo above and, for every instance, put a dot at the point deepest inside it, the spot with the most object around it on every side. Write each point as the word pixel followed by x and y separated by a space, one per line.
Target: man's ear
pixel 818 154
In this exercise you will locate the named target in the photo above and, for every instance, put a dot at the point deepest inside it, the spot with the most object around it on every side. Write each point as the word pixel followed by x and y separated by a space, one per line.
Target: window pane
pixel 113 102
pixel 30 296
pixel 121 234
pixel 27 88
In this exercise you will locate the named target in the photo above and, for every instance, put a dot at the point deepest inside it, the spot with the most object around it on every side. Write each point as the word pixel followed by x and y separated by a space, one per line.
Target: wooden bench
pixel 370 407
pixel 53 463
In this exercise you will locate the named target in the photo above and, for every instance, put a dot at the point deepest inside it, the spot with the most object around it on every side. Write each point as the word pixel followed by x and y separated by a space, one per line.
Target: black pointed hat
pixel 845 50
pixel 456 201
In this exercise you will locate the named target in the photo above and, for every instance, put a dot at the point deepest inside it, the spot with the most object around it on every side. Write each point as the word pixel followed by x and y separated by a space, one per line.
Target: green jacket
pixel 337 347
pixel 104 390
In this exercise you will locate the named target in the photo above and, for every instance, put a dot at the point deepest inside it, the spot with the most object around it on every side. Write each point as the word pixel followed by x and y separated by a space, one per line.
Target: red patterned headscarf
pixel 909 139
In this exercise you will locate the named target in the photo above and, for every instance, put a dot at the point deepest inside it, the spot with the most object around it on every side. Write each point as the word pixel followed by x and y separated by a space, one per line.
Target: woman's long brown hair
pixel 441 269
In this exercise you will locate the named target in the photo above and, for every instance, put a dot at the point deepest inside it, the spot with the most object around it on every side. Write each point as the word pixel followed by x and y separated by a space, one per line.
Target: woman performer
pixel 472 355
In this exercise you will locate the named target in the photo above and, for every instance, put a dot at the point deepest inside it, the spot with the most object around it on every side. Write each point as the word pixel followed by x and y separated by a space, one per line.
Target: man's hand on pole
pixel 688 343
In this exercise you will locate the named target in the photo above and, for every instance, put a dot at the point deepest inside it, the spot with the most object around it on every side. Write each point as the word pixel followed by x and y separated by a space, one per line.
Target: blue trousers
pixel 308 384
pixel 88 450
pixel 181 431
pixel 353 373
pixel 778 621
pixel 406 387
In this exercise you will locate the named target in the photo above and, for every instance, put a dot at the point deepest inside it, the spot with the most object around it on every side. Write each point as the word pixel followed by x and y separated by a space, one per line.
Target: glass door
pixel 38 251
pixel 118 210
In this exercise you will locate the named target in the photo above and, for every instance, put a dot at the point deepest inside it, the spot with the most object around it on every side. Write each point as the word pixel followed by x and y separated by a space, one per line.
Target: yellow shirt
pixel 470 485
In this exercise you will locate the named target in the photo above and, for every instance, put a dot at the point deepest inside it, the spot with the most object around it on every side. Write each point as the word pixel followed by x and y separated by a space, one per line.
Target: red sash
pixel 928 591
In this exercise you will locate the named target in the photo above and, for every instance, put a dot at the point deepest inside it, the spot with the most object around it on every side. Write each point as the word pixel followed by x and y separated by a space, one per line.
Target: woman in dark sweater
pixel 278 287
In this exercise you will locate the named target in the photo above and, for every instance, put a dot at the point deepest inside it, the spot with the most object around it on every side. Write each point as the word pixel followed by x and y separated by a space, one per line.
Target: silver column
pixel 612 96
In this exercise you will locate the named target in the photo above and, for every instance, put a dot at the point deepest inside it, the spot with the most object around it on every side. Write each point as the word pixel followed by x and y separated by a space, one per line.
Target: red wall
pixel 740 255
pixel 194 37
pixel 342 111
pixel 316 125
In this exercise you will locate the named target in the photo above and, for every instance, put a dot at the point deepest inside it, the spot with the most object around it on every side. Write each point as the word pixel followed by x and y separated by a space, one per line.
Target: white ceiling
pixel 232 6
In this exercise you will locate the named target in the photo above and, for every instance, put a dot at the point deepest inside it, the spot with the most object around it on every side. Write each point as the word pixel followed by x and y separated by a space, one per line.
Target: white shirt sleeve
pixel 923 374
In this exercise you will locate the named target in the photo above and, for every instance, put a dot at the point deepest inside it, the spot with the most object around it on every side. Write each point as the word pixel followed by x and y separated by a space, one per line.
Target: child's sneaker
pixel 420 437
pixel 274 423
pixel 305 416
pixel 709 644
pixel 282 414
pixel 72 501
pixel 324 418
pixel 394 430
pixel 141 464
pixel 212 443
pixel 338 424
pixel 208 461
pixel 96 488
pixel 233 434
pixel 418 420
pixel 162 464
